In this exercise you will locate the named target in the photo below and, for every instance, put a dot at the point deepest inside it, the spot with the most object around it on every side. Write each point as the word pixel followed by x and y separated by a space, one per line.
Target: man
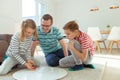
pixel 51 41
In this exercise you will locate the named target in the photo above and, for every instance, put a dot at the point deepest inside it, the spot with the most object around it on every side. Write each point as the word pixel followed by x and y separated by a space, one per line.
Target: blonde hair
pixel 71 25
pixel 28 23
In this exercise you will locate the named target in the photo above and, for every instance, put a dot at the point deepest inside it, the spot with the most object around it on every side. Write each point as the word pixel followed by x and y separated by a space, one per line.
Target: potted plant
pixel 108 26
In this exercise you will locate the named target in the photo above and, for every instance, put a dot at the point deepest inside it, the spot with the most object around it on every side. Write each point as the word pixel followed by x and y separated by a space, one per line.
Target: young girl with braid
pixel 19 51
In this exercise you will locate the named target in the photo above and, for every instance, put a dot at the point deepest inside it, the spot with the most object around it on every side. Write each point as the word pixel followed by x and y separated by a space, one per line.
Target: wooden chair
pixel 95 35
pixel 114 37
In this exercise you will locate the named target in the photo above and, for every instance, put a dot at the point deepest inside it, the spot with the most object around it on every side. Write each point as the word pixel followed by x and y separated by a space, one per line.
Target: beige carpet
pixel 86 74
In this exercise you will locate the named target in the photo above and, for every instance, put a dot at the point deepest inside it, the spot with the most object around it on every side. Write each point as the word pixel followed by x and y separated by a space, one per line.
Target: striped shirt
pixel 49 42
pixel 17 49
pixel 86 42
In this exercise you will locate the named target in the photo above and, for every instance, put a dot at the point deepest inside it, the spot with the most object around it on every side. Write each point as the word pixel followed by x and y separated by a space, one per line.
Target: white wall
pixel 79 10
pixel 62 12
pixel 51 8
pixel 10 15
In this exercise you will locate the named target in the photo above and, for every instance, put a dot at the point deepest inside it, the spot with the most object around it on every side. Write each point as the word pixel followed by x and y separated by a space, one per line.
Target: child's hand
pixel 30 61
pixel 34 66
pixel 29 66
pixel 71 44
pixel 37 43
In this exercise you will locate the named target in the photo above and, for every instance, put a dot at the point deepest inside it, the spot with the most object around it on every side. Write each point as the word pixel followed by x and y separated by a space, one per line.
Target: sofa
pixel 4 43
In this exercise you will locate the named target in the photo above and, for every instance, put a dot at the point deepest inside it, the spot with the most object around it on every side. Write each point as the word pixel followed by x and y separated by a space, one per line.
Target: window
pixel 33 10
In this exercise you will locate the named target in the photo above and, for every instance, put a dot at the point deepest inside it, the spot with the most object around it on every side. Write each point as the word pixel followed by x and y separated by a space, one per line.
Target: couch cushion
pixel 3 48
pixel 6 37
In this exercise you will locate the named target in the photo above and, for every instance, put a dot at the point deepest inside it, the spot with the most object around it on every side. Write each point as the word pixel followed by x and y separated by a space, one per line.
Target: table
pixel 105 31
pixel 41 73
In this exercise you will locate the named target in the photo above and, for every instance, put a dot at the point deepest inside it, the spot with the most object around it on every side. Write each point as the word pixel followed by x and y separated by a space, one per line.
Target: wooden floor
pixel 112 69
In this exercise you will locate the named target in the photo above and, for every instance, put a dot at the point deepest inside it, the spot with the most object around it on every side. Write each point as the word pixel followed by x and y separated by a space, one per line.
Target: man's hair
pixel 47 17
pixel 72 26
